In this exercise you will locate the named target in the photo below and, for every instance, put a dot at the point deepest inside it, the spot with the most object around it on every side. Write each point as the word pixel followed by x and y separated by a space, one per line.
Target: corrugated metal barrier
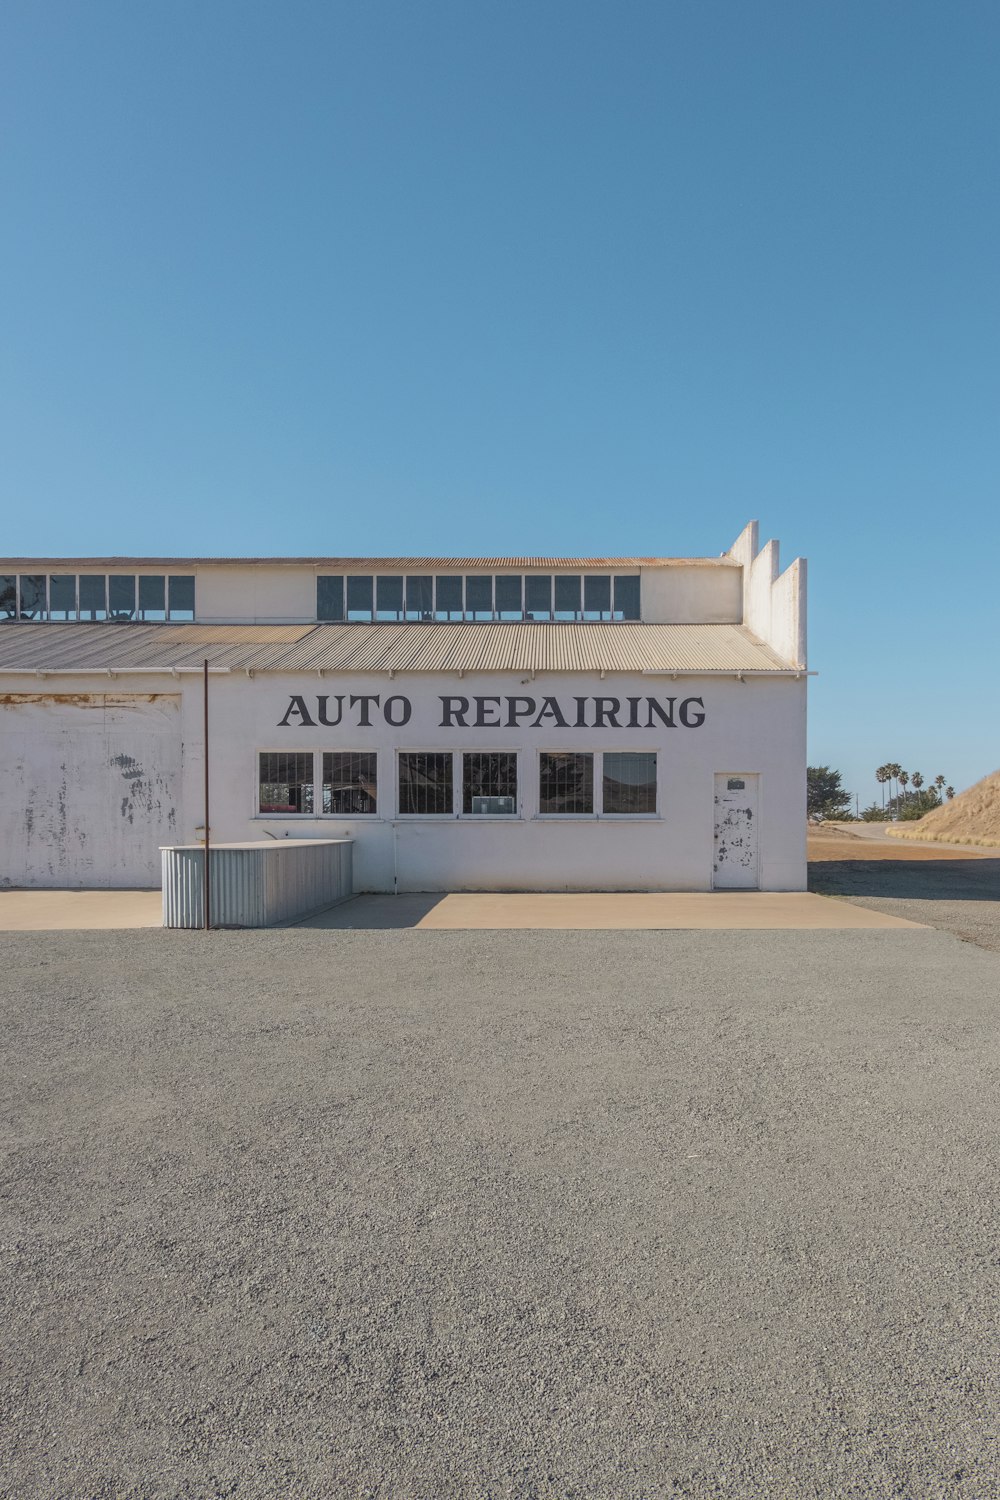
pixel 256 884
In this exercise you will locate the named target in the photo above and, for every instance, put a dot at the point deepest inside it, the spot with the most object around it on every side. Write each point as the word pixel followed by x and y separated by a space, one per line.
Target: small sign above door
pixel 734 784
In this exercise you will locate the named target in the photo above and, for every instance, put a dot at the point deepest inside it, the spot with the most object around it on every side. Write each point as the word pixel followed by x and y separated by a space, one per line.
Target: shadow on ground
pixel 912 880
pixel 361 914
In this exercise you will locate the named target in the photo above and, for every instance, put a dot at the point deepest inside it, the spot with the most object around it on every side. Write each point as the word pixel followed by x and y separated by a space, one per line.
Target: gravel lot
pixel 961 896
pixel 414 1215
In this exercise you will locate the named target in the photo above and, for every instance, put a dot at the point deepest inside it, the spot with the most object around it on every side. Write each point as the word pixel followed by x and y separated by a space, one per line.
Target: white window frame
pixel 441 817
pixel 296 817
pixel 598 815
pixel 517 815
pixel 376 817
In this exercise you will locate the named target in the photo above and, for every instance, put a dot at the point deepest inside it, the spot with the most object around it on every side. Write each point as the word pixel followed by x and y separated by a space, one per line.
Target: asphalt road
pixel 414 1215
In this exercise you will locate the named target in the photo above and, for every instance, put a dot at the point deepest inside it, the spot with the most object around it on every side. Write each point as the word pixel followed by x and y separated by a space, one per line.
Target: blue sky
pixel 581 278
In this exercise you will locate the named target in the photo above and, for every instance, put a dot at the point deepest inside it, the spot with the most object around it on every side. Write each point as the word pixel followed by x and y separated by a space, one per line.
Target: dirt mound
pixel 973 817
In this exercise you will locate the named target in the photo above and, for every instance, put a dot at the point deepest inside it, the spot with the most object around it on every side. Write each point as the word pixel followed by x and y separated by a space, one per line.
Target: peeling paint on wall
pixel 84 700
pixel 89 787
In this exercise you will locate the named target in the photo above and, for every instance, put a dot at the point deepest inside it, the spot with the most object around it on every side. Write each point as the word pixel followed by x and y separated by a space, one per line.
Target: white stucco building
pixel 472 723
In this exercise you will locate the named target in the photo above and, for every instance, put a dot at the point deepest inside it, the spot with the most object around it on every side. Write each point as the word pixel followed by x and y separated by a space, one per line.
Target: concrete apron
pixel 596 910
pixel 56 911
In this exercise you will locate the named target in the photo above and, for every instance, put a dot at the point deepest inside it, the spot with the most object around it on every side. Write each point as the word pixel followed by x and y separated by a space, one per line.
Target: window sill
pixel 597 818
pixel 316 818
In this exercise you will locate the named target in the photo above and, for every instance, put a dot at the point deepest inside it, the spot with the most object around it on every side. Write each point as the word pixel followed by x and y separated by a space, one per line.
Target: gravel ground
pixel 961 896
pixel 416 1215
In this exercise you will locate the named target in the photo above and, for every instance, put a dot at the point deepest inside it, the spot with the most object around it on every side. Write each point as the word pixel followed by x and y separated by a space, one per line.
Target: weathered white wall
pixel 757 726
pixel 754 726
pixel 256 595
pixel 774 603
pixel 90 787
pixel 707 594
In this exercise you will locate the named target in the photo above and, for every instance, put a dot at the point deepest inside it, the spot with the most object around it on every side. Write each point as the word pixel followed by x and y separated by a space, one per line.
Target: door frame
pixel 759 778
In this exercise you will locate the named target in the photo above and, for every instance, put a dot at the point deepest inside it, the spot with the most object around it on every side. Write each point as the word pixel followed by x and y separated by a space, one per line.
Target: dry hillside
pixel 973 817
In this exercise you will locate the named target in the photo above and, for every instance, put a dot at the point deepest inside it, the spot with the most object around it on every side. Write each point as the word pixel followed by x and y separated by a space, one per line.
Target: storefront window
pixel 425 783
pixel 350 784
pixel 566 783
pixel 489 783
pixel 629 782
pixel 285 782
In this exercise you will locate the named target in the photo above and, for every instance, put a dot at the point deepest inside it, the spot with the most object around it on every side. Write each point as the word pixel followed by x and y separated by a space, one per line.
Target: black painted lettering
pixel 605 716
pixel 652 707
pixel 453 711
pixel 365 699
pixel 692 719
pixel 550 711
pixel 519 708
pixel 405 710
pixel 633 713
pixel 321 712
pixel 482 722
pixel 581 713
pixel 297 705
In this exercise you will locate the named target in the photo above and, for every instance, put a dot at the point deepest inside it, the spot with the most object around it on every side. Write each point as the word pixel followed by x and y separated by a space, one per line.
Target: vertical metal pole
pixel 208 862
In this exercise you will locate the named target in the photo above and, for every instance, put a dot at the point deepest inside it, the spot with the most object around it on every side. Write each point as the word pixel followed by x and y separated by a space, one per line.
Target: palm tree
pixel 894 771
pixel 949 792
pixel 918 780
pixel 939 783
pixel 882 776
pixel 904 780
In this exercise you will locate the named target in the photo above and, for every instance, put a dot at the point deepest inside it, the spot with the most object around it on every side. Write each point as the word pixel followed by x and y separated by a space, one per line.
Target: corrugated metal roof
pixel 360 564
pixel 515 647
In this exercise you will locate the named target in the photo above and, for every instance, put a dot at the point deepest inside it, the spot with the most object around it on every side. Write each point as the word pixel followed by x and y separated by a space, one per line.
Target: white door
pixel 735 832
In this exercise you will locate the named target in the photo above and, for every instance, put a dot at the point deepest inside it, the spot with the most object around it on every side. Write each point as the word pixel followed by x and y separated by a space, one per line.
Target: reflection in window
pixel 389 596
pixel 330 597
pixel 152 597
pixel 286 782
pixel 8 595
pixel 627 597
pixel 350 785
pixel 489 783
pixel 420 598
pixel 508 597
pixel 479 597
pixel 538 596
pixel 359 597
pixel 32 596
pixel 449 598
pixel 425 783
pixel 567 596
pixel 121 596
pixel 181 596
pixel 596 597
pixel 62 596
pixel 566 783
pixel 629 782
pixel 93 596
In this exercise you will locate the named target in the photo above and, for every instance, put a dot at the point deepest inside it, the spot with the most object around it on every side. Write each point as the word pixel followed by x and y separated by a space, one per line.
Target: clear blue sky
pixel 478 277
